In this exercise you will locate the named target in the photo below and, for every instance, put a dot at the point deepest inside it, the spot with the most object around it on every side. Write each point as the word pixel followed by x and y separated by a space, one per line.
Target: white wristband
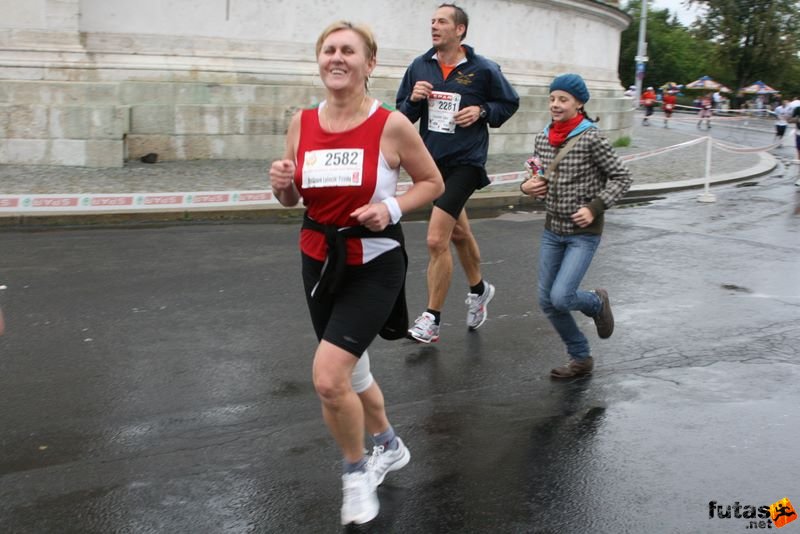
pixel 394 209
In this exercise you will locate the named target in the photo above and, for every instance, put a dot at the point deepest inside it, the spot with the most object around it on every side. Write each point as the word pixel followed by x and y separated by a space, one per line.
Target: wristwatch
pixel 483 112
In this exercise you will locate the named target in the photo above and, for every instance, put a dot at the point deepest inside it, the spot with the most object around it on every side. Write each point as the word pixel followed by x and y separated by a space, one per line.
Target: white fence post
pixel 706 195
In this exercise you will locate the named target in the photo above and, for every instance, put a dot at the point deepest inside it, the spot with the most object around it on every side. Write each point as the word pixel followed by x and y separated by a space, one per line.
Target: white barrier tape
pixel 732 119
pixel 739 149
pixel 98 203
pixel 743 123
pixel 715 110
pixel 135 202
pixel 655 152
pixel 715 118
pixel 508 178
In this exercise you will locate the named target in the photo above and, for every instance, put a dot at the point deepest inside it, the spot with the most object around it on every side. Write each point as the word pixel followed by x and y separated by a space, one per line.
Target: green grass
pixel 622 141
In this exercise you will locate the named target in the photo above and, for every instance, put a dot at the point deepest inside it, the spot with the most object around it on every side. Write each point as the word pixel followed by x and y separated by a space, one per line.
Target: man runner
pixel 455 94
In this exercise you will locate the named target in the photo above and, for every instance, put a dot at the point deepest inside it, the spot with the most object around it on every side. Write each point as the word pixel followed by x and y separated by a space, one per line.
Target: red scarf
pixel 560 130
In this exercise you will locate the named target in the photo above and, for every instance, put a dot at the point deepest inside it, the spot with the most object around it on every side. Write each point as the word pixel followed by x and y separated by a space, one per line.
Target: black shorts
pixel 460 181
pixel 648 110
pixel 780 129
pixel 352 318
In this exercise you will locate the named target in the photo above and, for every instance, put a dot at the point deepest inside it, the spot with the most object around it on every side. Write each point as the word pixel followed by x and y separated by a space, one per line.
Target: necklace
pixel 350 122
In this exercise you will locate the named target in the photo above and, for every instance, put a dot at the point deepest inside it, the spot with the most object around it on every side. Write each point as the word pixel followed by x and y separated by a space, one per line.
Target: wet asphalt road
pixel 157 379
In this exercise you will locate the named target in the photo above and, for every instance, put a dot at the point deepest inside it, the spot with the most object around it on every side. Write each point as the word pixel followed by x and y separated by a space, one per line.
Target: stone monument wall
pixel 95 82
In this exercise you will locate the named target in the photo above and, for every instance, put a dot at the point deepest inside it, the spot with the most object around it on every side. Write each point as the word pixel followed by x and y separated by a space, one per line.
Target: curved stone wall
pixel 91 82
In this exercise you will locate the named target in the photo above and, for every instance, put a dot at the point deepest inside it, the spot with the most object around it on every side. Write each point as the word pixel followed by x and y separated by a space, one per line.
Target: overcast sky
pixel 685 15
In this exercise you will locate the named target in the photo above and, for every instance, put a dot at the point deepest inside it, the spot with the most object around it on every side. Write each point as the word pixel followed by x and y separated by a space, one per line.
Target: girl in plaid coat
pixel 587 177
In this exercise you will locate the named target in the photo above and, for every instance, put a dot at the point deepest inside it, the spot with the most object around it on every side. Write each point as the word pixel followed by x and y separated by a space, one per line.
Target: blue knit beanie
pixel 572 84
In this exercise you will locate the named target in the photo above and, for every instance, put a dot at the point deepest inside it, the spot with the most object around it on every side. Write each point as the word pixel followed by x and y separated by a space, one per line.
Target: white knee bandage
pixel 362 378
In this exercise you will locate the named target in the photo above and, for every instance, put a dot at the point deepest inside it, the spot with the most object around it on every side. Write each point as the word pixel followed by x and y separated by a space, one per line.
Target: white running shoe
pixel 359 498
pixel 477 306
pixel 384 461
pixel 425 329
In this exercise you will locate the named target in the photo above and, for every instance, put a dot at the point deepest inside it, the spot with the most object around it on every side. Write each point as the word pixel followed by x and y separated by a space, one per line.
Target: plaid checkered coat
pixel 591 174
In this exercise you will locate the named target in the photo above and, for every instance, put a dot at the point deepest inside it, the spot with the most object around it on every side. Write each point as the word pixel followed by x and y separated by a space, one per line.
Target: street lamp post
pixel 641 52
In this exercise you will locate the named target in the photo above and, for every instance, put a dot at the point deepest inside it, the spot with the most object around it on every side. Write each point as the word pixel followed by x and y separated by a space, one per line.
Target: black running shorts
pixel 460 181
pixel 352 318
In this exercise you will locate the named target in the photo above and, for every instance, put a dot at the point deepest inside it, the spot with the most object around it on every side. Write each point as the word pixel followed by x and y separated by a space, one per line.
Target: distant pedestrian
pixel 717 100
pixel 782 114
pixel 705 111
pixel 648 100
pixel 579 176
pixel 669 106
pixel 796 121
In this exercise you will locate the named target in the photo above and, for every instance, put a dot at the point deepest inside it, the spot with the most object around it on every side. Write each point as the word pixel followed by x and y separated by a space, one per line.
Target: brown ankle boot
pixel 574 368
pixel 604 321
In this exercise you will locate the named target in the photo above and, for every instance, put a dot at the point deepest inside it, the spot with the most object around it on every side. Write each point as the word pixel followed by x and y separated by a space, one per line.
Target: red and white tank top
pixel 338 172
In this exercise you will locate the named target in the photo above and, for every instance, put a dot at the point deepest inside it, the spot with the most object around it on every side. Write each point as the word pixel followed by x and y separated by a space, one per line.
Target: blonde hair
pixel 363 31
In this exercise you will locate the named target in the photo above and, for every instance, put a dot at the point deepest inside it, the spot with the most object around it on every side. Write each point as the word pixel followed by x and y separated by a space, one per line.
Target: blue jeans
pixel 563 261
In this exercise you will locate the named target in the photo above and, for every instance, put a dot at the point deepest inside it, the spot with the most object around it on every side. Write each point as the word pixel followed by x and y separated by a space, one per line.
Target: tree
pixel 790 83
pixel 753 39
pixel 675 53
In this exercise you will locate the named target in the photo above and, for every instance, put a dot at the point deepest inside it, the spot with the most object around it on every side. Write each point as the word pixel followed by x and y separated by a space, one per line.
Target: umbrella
pixel 707 84
pixel 672 87
pixel 758 88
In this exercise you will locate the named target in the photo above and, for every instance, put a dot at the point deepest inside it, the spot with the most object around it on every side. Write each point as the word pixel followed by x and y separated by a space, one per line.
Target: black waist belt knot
pixel 335 264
